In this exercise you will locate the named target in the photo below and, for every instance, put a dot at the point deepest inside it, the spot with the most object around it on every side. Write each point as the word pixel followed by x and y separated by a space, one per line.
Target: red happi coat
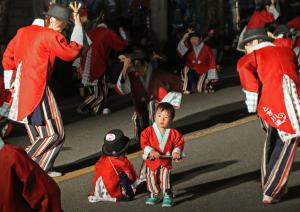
pixel 108 168
pixel 103 41
pixel 202 63
pixel 294 23
pixel 160 83
pixel 284 42
pixel 33 51
pixel 259 19
pixel 262 72
pixel 24 186
pixel 150 139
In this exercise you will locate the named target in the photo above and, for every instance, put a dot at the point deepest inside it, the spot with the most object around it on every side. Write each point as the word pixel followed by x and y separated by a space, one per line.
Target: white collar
pixel 262 45
pixel 103 25
pixel 38 22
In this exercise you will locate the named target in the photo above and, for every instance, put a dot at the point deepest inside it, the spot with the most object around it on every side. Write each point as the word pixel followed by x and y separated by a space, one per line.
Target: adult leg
pixel 277 160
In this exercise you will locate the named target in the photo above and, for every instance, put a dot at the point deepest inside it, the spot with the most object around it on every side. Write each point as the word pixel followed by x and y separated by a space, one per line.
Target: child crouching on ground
pixel 161 144
pixel 115 175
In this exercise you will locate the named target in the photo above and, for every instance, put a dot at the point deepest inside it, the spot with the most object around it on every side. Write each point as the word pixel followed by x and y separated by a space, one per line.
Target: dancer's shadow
pixel 196 191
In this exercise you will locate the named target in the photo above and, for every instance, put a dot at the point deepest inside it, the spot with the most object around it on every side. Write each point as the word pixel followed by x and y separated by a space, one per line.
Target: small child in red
pixel 161 144
pixel 115 175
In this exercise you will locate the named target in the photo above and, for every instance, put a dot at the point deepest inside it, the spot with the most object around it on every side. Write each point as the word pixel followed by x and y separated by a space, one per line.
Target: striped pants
pixel 46 140
pixel 97 97
pixel 277 160
pixel 158 181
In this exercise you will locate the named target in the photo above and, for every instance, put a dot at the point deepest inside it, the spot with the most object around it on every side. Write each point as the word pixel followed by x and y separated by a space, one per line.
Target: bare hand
pixel 75 7
pixel 189 31
pixel 176 156
pixel 126 63
pixel 154 154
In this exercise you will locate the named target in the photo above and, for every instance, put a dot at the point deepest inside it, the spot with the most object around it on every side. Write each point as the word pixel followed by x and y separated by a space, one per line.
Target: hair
pixel 165 106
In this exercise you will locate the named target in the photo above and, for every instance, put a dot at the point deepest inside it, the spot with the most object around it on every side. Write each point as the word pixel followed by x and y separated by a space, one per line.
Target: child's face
pixel 162 118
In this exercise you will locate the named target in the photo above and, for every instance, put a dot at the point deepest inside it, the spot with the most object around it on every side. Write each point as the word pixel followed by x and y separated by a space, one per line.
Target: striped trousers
pixel 158 181
pixel 46 140
pixel 97 97
pixel 278 157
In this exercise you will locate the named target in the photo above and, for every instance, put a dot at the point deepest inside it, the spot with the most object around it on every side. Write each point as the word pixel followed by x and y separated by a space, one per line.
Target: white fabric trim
pixel 212 74
pixel 125 87
pixel 4 109
pixel 181 48
pixel 1 143
pixel 296 51
pixel 241 38
pixel 39 22
pixel 77 35
pixel 292 104
pixel 174 98
pixel 262 45
pixel 251 100
pixel 176 150
pixel 198 49
pixel 147 151
pixel 86 71
pixel 101 193
pixel 162 138
pixel 273 11
pixel 101 25
pixel 185 77
pixel 123 35
pixel 7 79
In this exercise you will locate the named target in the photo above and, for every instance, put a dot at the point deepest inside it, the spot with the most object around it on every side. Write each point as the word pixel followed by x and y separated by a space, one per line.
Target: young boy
pixel 161 144
pixel 115 174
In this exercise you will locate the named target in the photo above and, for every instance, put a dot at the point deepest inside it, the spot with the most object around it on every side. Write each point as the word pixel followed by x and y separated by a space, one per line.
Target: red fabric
pixel 109 174
pixel 24 185
pixel 204 62
pixel 259 19
pixel 103 41
pixel 161 82
pixel 148 138
pixel 262 72
pixel 284 42
pixel 2 91
pixel 36 47
pixel 297 43
pixel 294 23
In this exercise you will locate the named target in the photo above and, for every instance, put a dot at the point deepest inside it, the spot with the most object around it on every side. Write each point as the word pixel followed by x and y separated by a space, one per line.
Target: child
pixel 158 142
pixel 115 174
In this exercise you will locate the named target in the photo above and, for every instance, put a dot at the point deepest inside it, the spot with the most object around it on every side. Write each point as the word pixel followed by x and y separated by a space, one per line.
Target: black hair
pixel 167 107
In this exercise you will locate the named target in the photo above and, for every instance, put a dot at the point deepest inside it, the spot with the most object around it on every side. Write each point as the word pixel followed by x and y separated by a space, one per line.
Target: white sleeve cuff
pixel 77 35
pixel 251 101
pixel 147 150
pixel 123 34
pixel 176 150
pixel 212 74
pixel 7 79
pixel 181 48
pixel 274 12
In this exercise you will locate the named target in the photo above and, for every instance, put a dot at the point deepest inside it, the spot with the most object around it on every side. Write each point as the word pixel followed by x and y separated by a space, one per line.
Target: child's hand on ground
pixel 154 154
pixel 176 156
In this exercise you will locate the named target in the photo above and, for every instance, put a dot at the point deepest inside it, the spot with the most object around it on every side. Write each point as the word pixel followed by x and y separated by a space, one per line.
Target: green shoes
pixel 152 201
pixel 167 201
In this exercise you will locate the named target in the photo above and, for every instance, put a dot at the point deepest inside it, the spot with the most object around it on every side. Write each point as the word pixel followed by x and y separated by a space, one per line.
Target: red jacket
pixel 262 72
pixel 150 139
pixel 103 41
pixel 108 168
pixel 284 42
pixel 259 19
pixel 33 50
pixel 24 185
pixel 294 23
pixel 202 63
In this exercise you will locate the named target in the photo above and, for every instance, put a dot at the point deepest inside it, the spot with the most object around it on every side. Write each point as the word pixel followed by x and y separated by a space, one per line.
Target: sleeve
pixel 8 60
pixel 123 85
pixel 39 190
pixel 130 171
pixel 178 144
pixel 247 66
pixel 182 48
pixel 116 43
pixel 2 91
pixel 145 143
pixel 268 17
pixel 59 47
pixel 212 72
pixel 272 10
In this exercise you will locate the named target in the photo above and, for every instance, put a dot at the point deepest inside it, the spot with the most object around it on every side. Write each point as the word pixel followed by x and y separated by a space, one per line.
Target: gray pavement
pixel 84 136
pixel 221 173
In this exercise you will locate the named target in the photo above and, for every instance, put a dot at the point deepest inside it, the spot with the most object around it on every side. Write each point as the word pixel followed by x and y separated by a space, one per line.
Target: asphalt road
pixel 221 173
